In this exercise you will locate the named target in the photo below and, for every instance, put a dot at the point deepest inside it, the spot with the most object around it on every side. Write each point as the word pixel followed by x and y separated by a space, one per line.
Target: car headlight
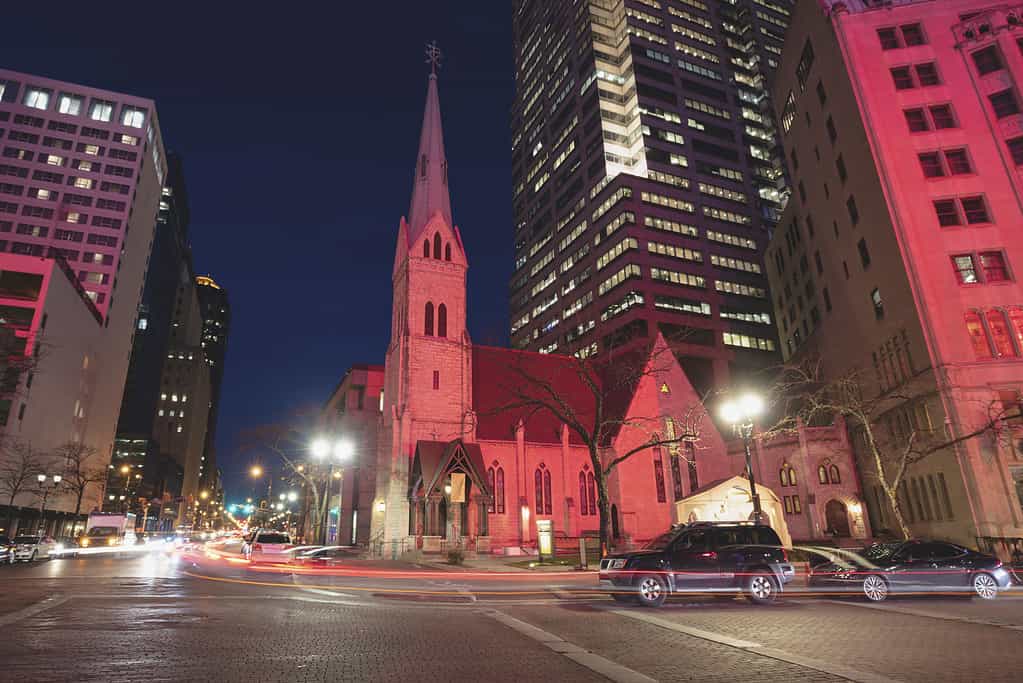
pixel 85 543
pixel 59 548
pixel 111 541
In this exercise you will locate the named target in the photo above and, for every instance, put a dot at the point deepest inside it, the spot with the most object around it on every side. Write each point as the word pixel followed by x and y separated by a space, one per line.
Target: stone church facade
pixel 446 459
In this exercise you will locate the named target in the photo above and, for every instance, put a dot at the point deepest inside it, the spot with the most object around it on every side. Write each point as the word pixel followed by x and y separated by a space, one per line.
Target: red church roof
pixel 502 378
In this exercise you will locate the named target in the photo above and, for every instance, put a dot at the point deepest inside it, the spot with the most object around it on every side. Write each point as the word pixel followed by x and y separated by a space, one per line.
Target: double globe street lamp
pixel 741 413
pixel 338 451
pixel 41 478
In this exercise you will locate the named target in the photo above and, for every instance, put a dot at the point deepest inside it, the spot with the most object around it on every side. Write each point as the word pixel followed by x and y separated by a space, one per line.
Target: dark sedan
pixel 910 567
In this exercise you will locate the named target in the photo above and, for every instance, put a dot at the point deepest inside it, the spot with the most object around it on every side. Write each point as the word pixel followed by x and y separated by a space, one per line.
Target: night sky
pixel 298 130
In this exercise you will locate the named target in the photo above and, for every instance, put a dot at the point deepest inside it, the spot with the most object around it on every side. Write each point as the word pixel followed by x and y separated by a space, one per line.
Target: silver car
pixel 32 548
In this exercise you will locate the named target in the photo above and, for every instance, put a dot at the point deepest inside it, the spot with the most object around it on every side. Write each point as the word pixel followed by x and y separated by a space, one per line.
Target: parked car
pixel 6 550
pixel 916 566
pixel 703 557
pixel 327 555
pixel 31 548
pixel 66 546
pixel 269 546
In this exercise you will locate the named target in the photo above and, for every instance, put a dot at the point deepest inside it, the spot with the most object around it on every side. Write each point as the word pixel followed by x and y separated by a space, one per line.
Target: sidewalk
pixel 499 563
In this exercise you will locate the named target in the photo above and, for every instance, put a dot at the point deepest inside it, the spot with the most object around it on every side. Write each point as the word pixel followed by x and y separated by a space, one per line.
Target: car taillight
pixel 998 564
pixel 711 555
pixel 257 546
pixel 784 555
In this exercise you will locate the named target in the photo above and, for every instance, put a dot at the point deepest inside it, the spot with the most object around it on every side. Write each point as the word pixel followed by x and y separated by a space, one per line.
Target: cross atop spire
pixel 433 57
pixel 430 188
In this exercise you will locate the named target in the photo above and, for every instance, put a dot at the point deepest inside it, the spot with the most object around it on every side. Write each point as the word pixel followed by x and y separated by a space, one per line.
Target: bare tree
pixel 80 469
pixel 287 442
pixel 590 396
pixel 18 471
pixel 804 397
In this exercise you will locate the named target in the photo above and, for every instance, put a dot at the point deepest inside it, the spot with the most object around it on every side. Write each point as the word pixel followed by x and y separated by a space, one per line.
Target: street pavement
pixel 192 617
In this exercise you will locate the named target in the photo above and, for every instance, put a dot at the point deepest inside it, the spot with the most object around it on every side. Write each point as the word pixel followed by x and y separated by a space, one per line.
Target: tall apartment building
pixel 81 171
pixel 899 252
pixel 645 177
pixel 215 309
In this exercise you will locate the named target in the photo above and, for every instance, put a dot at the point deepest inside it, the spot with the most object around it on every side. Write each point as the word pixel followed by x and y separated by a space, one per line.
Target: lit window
pixel 84 183
pixel 143 322
pixel 163 397
pixel 36 98
pixel 101 110
pixel 54 160
pixel 179 429
pixel 92 150
pixel 69 104
pixel 132 116
pixel 174 397
pixel 966 272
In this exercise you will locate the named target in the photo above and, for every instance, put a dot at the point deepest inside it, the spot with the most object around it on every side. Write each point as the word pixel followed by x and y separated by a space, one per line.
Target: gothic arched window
pixel 591 494
pixel 436 245
pixel 822 474
pixel 978 336
pixel 583 509
pixel 783 475
pixel 442 321
pixel 447 252
pixel 426 248
pixel 547 492
pixel 659 475
pixel 493 489
pixel 499 491
pixel 834 475
pixel 428 325
pixel 538 490
pixel 1000 333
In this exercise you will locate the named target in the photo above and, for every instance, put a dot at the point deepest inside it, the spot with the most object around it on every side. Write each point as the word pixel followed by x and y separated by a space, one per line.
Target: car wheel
pixel 760 589
pixel 985 586
pixel 33 557
pixel 875 588
pixel 651 591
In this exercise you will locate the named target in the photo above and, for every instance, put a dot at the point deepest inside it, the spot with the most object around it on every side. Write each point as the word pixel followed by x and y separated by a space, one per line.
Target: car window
pixel 936 551
pixel 273 538
pixel 4 540
pixel 765 535
pixel 29 540
pixel 695 541
pixel 728 536
pixel 660 542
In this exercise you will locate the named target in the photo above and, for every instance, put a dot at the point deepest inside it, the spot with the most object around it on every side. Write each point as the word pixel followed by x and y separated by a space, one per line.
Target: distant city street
pixel 173 616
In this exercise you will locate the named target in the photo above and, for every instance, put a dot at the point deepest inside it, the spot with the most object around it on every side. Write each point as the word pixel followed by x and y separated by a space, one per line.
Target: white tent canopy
pixel 729 500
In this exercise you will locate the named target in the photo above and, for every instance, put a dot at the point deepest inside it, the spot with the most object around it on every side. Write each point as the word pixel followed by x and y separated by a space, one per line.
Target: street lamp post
pixel 741 414
pixel 340 451
pixel 46 494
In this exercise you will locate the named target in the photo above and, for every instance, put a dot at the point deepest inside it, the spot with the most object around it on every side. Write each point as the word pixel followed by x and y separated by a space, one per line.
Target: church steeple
pixel 430 188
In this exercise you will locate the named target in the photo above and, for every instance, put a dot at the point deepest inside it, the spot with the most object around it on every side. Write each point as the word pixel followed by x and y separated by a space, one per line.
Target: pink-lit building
pixel 81 172
pixel 900 252
pixel 441 408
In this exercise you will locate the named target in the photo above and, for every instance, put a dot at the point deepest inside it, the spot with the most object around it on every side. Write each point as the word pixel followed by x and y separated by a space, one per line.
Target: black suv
pixel 703 557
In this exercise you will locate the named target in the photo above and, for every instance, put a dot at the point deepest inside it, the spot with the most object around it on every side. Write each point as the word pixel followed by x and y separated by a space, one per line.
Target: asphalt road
pixel 169 617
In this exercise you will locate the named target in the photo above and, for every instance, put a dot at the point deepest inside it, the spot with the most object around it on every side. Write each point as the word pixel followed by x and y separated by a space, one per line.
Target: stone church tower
pixel 427 377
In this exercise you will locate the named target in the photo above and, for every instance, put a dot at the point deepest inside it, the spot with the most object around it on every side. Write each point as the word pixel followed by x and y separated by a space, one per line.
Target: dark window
pixel 817 261
pixel 861 246
pixel 676 476
pixel 499 492
pixel 832 131
pixel 426 249
pixel 493 488
pixel 917 120
pixel 428 324
pixel 442 321
pixel 822 95
pixel 845 269
pixel 809 225
pixel 447 252
pixel 802 192
pixel 854 213
pixel 994 267
pixel 947 212
pixel 827 300
pixel 1016 149
pixel 436 379
pixel 840 165
pixel 1004 103
pixel 583 509
pixel 547 498
pixel 966 272
pixel 942 116
pixel 889 38
pixel 975 210
pixel 987 60
pixel 662 496
pixel 912 35
pixel 436 246
pixel 903 78
pixel 930 162
pixel 795 160
pixel 805 63
pixel 538 490
pixel 591 493
pixel 958 162
pixel 927 74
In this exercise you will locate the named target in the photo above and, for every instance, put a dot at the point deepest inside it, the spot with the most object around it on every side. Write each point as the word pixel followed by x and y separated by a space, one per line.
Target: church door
pixel 837 519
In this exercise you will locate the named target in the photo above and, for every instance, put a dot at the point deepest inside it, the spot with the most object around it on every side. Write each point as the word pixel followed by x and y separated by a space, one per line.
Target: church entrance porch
pixel 449 497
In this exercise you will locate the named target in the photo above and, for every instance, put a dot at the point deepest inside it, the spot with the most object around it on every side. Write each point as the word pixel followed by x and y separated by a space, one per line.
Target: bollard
pixel 582 553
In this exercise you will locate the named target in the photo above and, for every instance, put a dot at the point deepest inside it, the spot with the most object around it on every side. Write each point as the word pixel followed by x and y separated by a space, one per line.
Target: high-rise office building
pixel 81 172
pixel 215 310
pixel 898 253
pixel 645 178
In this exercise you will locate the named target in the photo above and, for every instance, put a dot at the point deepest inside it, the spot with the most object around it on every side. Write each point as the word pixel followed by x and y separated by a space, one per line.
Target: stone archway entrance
pixel 836 517
pixel 444 515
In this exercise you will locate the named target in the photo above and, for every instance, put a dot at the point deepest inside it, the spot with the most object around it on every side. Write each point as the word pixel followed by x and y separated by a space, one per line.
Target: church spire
pixel 430 188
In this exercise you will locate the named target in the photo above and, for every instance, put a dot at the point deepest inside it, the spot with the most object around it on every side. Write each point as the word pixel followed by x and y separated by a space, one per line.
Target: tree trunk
pixel 603 505
pixel 78 503
pixel 893 498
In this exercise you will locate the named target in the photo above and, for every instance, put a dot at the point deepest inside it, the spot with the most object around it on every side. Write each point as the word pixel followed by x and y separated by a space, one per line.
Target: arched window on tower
pixel 538 490
pixel 428 325
pixel 422 166
pixel 447 251
pixel 834 475
pixel 822 474
pixel 442 321
pixel 492 483
pixel 436 245
pixel 583 509
pixel 547 492
pixel 659 475
pixel 426 248
pixel 499 491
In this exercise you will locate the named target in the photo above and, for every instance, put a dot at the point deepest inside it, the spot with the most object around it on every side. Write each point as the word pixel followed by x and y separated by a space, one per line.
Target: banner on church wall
pixel 457 487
